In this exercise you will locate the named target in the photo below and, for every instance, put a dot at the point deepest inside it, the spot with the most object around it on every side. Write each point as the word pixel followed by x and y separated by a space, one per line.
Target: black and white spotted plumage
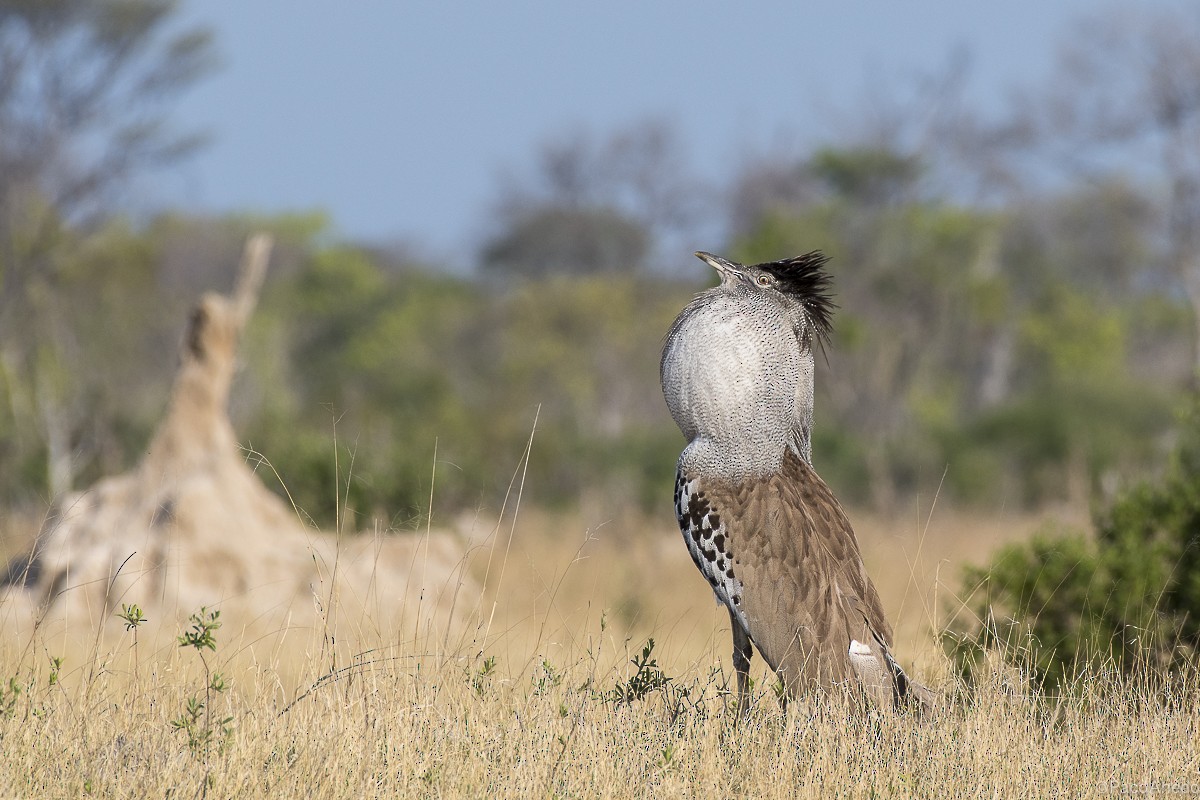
pixel 708 543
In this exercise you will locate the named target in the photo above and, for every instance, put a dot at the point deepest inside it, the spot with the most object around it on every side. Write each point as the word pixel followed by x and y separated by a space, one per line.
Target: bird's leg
pixel 741 663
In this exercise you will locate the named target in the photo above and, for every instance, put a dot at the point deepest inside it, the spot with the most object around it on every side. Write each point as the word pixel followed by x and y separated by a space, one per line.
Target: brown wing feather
pixel 807 594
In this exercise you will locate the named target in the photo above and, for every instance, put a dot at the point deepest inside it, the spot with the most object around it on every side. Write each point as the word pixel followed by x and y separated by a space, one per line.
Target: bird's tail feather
pixel 881 676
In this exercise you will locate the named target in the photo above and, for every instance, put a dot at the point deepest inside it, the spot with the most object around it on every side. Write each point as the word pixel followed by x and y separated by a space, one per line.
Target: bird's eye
pixel 764 280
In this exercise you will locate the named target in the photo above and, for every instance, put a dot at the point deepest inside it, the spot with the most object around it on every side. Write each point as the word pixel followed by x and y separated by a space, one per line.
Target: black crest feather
pixel 804 277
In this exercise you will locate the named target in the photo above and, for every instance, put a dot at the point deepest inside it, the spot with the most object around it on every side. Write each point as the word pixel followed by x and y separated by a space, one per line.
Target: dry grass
pixel 522 703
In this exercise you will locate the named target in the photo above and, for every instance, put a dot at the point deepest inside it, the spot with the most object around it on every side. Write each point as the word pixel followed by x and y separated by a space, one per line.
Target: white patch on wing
pixel 705 535
pixel 857 648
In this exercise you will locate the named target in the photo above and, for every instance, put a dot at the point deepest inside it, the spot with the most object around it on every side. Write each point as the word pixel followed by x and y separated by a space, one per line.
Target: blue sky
pixel 398 117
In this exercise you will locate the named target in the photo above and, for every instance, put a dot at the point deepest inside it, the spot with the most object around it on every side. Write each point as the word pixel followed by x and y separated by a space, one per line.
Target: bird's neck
pixel 803 424
pixel 735 461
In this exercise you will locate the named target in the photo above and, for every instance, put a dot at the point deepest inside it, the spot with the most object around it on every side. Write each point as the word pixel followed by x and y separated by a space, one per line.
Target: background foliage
pixel 1125 598
pixel 946 371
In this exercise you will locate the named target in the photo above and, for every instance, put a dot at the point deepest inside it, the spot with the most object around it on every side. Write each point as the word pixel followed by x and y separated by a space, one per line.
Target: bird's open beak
pixel 722 266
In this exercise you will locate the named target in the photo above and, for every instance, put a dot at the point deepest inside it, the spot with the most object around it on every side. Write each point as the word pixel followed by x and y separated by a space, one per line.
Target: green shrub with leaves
pixel 197 719
pixel 647 679
pixel 1127 598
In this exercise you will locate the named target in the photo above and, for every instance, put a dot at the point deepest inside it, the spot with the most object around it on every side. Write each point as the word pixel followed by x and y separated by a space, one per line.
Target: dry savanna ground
pixel 532 692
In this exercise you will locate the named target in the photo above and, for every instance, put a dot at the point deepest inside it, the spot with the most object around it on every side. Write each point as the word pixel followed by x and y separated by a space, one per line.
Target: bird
pixel 737 373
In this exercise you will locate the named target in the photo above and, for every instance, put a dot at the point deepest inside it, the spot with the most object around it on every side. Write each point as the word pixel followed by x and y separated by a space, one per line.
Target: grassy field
pixel 534 692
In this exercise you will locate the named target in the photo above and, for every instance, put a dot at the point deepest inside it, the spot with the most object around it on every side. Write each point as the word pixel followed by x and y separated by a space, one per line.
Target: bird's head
pixel 801 285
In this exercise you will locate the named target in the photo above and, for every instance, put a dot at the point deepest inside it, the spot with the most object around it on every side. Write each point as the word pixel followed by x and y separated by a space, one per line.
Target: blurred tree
pixel 594 207
pixel 84 90
pixel 551 241
pixel 1076 413
pixel 871 177
pixel 972 342
pixel 779 187
pixel 1127 91
pixel 586 352
pixel 377 367
pixel 904 272
pixel 124 295
pixel 395 362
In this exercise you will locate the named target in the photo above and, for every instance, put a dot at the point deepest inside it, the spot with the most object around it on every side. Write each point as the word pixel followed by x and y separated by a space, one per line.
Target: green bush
pixel 1127 597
